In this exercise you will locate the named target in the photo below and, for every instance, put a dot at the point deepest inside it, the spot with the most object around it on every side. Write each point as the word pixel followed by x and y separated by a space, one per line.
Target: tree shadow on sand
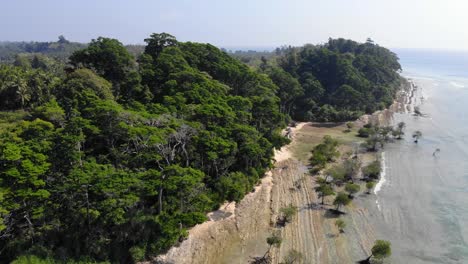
pixel 327 124
pixel 370 261
pixel 333 213
pixel 313 206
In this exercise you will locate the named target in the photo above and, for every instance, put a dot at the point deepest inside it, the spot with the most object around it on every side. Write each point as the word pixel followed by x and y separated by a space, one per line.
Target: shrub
pixel 372 170
pixel 324 152
pixel 138 253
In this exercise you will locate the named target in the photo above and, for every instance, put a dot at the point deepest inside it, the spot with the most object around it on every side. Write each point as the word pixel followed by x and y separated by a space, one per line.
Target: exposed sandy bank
pixel 234 238
pixel 237 232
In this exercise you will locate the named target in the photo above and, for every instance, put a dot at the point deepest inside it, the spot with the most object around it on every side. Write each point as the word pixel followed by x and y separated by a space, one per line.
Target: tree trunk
pixel 160 196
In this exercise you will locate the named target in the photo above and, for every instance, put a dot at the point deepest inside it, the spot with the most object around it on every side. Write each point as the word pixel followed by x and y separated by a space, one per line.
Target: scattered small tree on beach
pixel 352 189
pixel 381 249
pixel 372 170
pixel 352 167
pixel 292 257
pixel 349 126
pixel 272 241
pixel 417 135
pixel 342 199
pixel 340 224
pixel 398 131
pixel 385 132
pixel 369 186
pixel 366 130
pixel 373 141
pixel 338 173
pixel 324 190
pixel 324 152
pixel 287 213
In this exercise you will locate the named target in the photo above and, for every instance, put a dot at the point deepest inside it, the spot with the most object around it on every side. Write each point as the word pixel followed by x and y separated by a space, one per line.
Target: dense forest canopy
pixel 112 156
pixel 338 81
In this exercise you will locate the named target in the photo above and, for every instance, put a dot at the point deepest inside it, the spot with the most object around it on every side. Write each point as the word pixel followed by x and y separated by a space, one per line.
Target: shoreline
pixel 231 234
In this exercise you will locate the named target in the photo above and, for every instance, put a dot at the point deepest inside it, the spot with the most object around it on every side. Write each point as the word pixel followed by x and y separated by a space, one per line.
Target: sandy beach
pixel 239 231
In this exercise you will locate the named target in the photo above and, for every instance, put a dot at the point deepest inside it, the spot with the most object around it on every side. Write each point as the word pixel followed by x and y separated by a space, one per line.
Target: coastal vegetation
pixel 381 249
pixel 341 199
pixel 324 153
pixel 110 155
pixel 323 190
pixel 369 186
pixel 293 257
pixel 274 240
pixel 340 224
pixel 287 214
pixel 372 171
pixel 352 189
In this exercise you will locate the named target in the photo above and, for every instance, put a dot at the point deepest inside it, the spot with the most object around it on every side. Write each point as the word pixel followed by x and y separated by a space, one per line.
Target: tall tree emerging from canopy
pixel 157 42
pixel 108 57
pixel 112 61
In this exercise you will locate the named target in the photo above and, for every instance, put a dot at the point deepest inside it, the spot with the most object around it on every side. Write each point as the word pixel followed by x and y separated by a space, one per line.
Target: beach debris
pixel 417 135
pixel 417 111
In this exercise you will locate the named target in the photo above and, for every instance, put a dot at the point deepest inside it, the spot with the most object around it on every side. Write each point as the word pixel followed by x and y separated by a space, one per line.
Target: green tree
pixel 372 170
pixel 349 126
pixel 52 112
pixel 338 173
pixel 23 189
pixel 112 61
pixel 273 241
pixel 292 257
pixel 324 190
pixel 399 131
pixel 287 213
pixel 341 199
pixel 324 152
pixel 352 189
pixel 289 88
pixel 370 185
pixel 157 42
pixel 340 224
pixel 380 250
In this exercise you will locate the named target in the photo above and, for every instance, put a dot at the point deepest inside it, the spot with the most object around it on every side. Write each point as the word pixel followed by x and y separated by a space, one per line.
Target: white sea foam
pixel 458 85
pixel 382 180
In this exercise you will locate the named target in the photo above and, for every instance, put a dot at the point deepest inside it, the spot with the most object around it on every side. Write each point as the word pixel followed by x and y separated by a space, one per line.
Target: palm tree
pixel 22 92
pixel 417 135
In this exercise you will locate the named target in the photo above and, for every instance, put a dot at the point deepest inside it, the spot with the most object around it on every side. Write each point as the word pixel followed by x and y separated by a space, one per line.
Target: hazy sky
pixel 251 23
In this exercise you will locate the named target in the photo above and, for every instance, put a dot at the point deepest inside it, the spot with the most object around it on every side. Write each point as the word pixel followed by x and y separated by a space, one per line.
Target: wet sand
pixel 424 201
